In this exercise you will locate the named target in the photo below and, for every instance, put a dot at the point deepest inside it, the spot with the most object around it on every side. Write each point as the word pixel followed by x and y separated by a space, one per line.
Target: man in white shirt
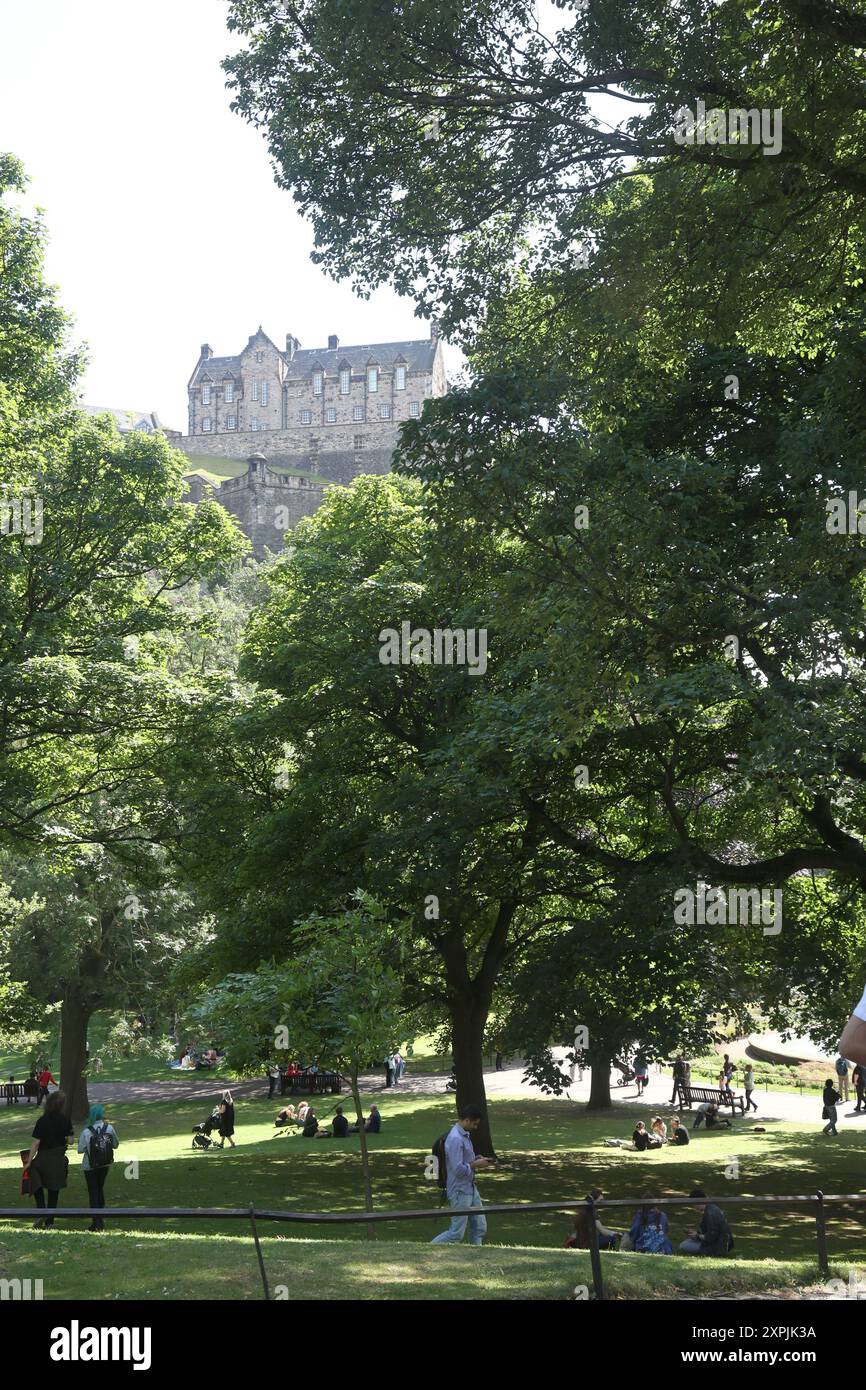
pixel 853 1041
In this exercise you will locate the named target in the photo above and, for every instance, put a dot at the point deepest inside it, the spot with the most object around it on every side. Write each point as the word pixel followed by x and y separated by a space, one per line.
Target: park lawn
pixel 137 1265
pixel 548 1149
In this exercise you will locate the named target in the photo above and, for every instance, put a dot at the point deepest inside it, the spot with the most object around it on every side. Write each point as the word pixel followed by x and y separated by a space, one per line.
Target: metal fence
pixel 819 1201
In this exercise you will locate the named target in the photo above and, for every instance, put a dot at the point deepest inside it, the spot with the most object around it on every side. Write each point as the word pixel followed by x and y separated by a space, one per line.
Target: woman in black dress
pixel 226 1120
pixel 47 1163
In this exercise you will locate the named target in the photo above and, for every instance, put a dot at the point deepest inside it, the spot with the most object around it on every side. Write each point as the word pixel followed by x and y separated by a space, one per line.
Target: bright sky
pixel 166 227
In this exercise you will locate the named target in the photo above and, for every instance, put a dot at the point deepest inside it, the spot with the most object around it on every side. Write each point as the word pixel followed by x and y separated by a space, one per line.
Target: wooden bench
pixel 13 1091
pixel 315 1083
pixel 695 1095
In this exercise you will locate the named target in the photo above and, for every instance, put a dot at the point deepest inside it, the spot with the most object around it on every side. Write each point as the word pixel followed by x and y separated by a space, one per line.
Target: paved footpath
pixel 772 1105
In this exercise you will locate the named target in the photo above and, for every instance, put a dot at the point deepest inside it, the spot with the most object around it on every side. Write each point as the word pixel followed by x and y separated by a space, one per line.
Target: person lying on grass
pixel 640 1140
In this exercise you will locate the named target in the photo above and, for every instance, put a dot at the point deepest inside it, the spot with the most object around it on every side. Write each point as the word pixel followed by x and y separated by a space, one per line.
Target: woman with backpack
pixel 96 1144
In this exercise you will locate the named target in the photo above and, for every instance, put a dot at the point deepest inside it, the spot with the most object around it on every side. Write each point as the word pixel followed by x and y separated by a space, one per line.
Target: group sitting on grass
pixel 648 1233
pixel 653 1138
pixel 305 1119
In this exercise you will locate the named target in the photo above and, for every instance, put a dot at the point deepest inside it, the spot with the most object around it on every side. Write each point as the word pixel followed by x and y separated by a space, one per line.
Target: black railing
pixel 818 1200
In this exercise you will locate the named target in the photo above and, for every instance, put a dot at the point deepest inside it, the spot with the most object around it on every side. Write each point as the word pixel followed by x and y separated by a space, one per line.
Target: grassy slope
pixel 134 1265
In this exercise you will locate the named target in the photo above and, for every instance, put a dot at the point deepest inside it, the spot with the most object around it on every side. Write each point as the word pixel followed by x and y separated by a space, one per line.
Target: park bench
pixel 13 1091
pixel 694 1095
pixel 316 1083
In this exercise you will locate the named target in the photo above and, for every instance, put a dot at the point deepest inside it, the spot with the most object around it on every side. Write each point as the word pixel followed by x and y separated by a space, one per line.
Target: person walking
pixel 461 1164
pixel 858 1076
pixel 273 1079
pixel 389 1071
pixel 96 1144
pixel 749 1086
pixel 829 1113
pixel 641 1073
pixel 47 1163
pixel 44 1080
pixel 679 1076
pixel 842 1077
pixel 226 1110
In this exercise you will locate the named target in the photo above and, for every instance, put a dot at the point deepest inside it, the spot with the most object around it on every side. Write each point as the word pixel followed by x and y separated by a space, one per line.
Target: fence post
pixel 259 1253
pixel 594 1256
pixel 821 1233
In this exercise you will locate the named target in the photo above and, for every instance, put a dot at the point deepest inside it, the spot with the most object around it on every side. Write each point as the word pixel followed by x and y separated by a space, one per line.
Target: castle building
pixel 301 419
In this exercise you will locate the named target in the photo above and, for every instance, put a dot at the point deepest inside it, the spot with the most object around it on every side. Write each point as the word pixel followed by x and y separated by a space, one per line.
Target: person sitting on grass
pixel 640 1139
pixel 339 1124
pixel 580 1240
pixel 658 1132
pixel 679 1132
pixel 286 1116
pixel 649 1232
pixel 311 1124
pixel 713 1235
pixel 372 1124
pixel 302 1111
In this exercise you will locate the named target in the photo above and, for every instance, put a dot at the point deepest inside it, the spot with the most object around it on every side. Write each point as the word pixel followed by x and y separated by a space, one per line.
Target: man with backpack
pixel 97 1143
pixel 456 1167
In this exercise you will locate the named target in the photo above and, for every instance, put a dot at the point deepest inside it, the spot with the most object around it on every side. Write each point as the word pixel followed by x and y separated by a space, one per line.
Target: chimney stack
pixel 206 350
pixel 434 331
pixel 292 346
pixel 333 342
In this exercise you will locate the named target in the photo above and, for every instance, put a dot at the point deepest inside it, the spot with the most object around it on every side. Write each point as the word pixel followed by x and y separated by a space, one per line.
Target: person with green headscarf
pixel 97 1143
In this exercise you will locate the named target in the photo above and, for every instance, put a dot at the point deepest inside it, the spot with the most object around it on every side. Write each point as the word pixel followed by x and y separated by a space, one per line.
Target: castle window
pixel 399 378
pixel 229 392
pixel 345 381
pixel 385 411
pixel 254 424
pixel 264 393
pixel 330 416
pixel 415 408
pixel 318 383
pixel 306 417
pixel 205 393
pixel 372 378
pixel 359 441
pixel 205 424
pixel 231 422
pixel 260 357
pixel 357 412
pixel 256 389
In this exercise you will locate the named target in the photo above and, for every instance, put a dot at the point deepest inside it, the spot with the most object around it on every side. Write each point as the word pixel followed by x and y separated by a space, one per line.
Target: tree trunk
pixel 74 1018
pixel 599 1088
pixel 467 1035
pixel 365 1156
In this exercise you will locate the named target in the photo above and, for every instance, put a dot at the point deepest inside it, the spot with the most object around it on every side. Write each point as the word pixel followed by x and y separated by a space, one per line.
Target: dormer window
pixel 345 380
pixel 229 392
pixel 372 378
pixel 318 383
pixel 400 377
pixel 205 393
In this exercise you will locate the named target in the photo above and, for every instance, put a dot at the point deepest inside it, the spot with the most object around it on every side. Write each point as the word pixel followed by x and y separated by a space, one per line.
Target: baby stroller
pixel 201 1133
pixel 626 1073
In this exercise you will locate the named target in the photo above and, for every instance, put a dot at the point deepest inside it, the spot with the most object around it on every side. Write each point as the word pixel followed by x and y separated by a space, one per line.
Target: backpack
pixel 438 1152
pixel 100 1150
pixel 651 1241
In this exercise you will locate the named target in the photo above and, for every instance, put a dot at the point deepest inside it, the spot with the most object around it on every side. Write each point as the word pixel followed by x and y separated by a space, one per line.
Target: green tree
pixel 337 1001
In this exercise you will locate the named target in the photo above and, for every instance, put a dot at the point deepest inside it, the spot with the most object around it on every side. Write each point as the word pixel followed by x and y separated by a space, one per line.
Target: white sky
pixel 166 228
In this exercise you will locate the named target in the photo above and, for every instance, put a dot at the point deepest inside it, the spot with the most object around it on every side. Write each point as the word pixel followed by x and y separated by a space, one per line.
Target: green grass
pixel 133 1265
pixel 548 1150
